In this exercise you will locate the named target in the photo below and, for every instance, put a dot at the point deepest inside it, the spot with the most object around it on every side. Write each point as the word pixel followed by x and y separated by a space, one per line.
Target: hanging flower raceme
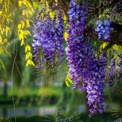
pixel 75 48
pixel 103 29
pixel 48 40
pixel 120 68
pixel 115 73
pixel 111 72
pixel 84 67
pixel 95 84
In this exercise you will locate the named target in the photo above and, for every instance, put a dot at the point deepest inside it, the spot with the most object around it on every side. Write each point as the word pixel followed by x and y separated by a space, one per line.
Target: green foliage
pixel 23 10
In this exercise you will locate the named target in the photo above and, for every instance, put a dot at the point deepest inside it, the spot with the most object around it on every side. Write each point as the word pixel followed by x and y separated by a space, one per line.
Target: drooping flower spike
pixel 48 40
pixel 83 65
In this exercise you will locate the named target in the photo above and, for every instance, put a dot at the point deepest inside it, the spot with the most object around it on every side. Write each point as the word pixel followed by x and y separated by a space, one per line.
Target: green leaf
pixel 2 65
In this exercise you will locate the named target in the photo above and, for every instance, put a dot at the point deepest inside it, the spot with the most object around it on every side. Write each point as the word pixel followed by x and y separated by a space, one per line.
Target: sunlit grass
pixel 32 91
pixel 47 91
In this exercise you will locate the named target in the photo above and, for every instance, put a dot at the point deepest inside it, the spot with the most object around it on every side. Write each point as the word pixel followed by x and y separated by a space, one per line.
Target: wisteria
pixel 75 39
pixel 111 72
pixel 119 68
pixel 103 29
pixel 48 40
pixel 96 84
pixel 63 53
pixel 115 71
pixel 83 65
pixel 87 70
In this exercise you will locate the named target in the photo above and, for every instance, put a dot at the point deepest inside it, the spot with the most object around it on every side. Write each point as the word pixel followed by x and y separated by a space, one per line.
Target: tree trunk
pixel 5 88
pixel 4 110
pixel 66 96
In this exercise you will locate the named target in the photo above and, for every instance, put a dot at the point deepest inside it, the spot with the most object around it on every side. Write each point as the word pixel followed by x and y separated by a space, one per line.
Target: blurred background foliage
pixel 23 87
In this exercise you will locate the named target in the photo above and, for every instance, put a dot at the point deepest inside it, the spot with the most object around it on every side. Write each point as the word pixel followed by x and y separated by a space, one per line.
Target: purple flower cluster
pixel 120 64
pixel 119 68
pixel 95 84
pixel 75 50
pixel 115 70
pixel 111 73
pixel 103 29
pixel 115 73
pixel 48 40
pixel 83 65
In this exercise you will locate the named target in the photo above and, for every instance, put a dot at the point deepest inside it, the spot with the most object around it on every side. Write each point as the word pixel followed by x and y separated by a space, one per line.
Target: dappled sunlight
pixel 60 60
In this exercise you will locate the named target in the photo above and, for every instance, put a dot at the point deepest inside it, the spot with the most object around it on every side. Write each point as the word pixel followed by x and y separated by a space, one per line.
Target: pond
pixel 27 111
pixel 57 114
pixel 30 111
